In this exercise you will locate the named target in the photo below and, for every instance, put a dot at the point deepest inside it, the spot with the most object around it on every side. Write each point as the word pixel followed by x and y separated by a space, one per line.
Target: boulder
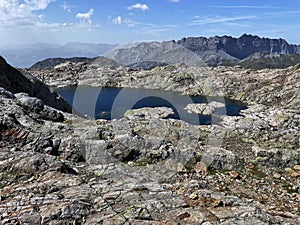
pixel 205 108
pixel 149 113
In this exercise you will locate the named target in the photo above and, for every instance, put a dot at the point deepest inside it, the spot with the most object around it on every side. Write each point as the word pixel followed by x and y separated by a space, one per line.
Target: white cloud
pixel 155 29
pixel 50 32
pixel 174 1
pixel 25 18
pixel 117 20
pixel 85 16
pixel 14 12
pixel 67 7
pixel 140 6
pixel 207 20
pixel 33 4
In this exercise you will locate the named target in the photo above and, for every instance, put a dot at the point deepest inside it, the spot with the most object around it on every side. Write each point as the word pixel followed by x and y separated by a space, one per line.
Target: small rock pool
pixel 112 103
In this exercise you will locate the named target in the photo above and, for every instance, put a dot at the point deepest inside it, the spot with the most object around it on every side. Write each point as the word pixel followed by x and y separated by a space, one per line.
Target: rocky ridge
pixel 211 51
pixel 61 62
pixel 143 169
pixel 239 48
pixel 52 62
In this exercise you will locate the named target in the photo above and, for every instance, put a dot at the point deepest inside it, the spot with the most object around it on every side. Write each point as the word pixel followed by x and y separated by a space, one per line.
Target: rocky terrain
pixel 146 65
pixel 57 168
pixel 212 51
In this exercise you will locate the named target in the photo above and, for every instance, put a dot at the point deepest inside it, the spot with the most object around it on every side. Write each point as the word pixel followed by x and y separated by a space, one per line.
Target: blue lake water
pixel 112 103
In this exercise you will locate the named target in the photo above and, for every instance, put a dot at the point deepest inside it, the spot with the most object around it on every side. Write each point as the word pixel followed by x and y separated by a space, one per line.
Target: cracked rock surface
pixel 56 168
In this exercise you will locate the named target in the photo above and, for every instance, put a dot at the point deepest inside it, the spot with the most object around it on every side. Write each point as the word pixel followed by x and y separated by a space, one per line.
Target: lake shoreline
pixel 116 101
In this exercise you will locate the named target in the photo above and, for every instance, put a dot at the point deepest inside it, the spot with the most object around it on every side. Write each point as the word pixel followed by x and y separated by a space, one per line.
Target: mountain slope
pixel 264 60
pixel 15 81
pixel 164 52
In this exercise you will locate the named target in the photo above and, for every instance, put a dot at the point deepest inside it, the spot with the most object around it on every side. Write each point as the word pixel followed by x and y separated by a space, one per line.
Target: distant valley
pixel 24 56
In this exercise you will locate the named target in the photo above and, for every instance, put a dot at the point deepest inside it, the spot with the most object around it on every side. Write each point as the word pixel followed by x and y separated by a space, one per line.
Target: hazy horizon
pixel 119 44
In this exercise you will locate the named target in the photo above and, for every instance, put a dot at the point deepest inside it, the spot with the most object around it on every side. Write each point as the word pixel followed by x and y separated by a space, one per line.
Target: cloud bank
pixel 140 6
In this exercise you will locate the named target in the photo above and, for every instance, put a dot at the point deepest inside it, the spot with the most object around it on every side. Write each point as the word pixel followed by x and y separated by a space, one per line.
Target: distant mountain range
pixel 211 51
pixel 249 51
pixel 26 55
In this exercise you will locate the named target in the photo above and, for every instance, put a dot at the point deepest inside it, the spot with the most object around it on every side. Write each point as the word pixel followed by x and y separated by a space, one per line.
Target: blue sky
pixel 123 21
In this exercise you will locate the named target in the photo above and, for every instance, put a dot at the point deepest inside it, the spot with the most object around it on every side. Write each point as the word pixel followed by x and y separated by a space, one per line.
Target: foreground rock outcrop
pixel 57 168
pixel 15 81
pixel 151 173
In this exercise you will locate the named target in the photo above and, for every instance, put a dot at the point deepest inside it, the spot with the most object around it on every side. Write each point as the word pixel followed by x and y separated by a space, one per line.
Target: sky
pixel 123 21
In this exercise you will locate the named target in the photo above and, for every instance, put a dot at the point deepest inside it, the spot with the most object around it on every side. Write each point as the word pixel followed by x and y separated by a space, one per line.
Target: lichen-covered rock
pixel 30 103
pixel 205 108
pixel 35 105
